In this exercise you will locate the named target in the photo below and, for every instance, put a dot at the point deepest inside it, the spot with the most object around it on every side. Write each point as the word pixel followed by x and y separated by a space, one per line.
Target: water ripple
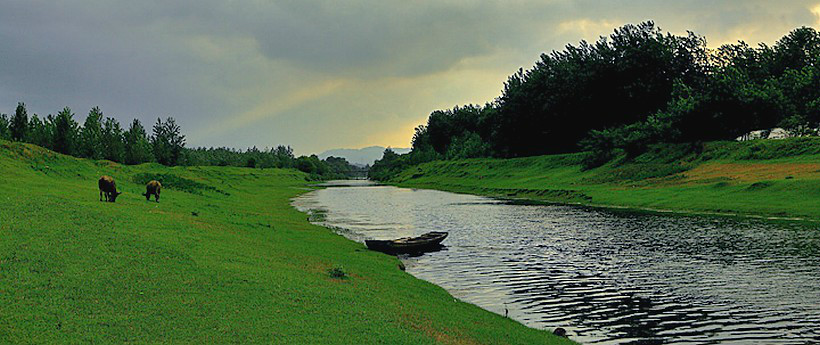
pixel 607 277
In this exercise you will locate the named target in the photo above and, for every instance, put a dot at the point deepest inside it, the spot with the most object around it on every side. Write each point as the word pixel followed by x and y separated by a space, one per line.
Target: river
pixel 608 277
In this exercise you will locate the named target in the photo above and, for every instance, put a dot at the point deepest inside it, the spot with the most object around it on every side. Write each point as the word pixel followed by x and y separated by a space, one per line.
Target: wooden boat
pixel 427 242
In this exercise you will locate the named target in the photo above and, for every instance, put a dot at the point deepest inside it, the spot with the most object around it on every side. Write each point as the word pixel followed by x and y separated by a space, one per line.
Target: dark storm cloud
pixel 312 73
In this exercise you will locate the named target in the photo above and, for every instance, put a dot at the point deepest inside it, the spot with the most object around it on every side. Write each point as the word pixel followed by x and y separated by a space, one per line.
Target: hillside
pixel 769 178
pixel 223 258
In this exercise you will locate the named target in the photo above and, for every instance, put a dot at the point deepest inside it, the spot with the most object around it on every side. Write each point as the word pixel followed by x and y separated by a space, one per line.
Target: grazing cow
pixel 108 188
pixel 152 188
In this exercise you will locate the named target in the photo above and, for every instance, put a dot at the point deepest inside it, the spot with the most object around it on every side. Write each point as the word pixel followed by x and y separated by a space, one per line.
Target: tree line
pixel 625 92
pixel 101 137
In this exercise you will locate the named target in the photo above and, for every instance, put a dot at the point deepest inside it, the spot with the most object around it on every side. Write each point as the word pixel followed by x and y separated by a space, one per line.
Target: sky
pixel 317 75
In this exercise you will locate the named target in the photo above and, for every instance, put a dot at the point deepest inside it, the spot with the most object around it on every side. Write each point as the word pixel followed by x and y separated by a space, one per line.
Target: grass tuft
pixel 173 181
pixel 337 272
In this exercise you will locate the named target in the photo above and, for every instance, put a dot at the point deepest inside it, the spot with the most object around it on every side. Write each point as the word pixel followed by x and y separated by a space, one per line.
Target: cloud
pixel 274 106
pixel 588 29
pixel 317 74
pixel 815 10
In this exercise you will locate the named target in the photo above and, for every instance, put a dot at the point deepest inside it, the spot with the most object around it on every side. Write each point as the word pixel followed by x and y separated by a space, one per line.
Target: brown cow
pixel 152 188
pixel 109 188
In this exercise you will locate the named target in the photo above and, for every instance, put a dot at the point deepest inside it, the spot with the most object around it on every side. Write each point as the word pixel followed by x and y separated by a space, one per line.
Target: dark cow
pixel 108 188
pixel 152 188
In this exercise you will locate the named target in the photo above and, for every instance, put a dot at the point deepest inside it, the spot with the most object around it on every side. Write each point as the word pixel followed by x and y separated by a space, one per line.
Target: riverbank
pixel 763 178
pixel 223 258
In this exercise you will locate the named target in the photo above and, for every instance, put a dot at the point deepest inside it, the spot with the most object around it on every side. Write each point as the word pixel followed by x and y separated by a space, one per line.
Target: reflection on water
pixel 607 277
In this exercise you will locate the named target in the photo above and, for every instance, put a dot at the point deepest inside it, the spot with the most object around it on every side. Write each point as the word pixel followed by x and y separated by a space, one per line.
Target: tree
pixel 39 132
pixel 389 165
pixel 65 132
pixel 307 165
pixel 284 156
pixel 467 145
pixel 5 133
pixel 50 123
pixel 798 49
pixel 137 146
pixel 91 141
pixel 617 80
pixel 19 123
pixel 167 142
pixel 112 139
pixel 339 166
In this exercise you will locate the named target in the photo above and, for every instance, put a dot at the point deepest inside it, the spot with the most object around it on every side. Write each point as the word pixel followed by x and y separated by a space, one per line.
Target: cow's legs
pixel 101 195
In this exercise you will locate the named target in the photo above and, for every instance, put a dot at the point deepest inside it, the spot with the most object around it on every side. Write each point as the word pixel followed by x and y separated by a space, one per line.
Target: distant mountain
pixel 362 156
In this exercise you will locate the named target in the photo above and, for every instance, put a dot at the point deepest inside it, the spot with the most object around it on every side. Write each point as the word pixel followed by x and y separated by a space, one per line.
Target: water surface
pixel 607 277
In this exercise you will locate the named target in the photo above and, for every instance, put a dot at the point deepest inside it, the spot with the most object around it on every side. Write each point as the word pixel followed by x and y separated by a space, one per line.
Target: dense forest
pixel 624 93
pixel 102 137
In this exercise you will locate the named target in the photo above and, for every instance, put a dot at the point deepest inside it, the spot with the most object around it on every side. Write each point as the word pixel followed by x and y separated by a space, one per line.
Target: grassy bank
pixel 769 178
pixel 223 258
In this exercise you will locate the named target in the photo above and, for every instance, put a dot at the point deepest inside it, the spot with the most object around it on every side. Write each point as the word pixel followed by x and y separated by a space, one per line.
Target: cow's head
pixel 114 196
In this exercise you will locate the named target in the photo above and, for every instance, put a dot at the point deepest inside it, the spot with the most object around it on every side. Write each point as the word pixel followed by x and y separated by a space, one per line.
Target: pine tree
pixel 168 142
pixel 50 123
pixel 137 146
pixel 39 132
pixel 112 140
pixel 19 123
pixel 177 140
pixel 159 143
pixel 5 133
pixel 91 141
pixel 65 132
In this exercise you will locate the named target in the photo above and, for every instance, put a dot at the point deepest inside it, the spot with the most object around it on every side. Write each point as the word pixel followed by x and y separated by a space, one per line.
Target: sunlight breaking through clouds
pixel 317 74
pixel 587 29
pixel 816 12
pixel 274 106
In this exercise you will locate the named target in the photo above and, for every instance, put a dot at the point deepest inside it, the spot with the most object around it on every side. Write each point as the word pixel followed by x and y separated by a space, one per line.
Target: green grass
pixel 222 259
pixel 769 178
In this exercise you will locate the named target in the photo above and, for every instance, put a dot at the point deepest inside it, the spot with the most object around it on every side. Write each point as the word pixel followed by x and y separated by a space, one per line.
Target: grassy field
pixel 768 178
pixel 222 259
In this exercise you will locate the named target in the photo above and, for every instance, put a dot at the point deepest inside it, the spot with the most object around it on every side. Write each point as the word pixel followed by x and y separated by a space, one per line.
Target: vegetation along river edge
pixel 777 179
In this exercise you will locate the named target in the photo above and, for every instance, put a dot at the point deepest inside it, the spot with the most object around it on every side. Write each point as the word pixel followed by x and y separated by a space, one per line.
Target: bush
pixel 337 273
pixel 175 182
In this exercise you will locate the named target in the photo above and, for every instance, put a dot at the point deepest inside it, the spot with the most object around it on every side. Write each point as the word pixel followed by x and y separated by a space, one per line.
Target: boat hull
pixel 425 243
